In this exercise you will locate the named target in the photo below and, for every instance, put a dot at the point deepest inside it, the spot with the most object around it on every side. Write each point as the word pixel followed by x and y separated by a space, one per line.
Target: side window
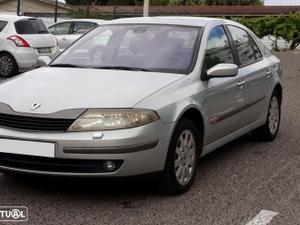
pixel 247 50
pixel 218 48
pixel 60 29
pixel 257 53
pixel 2 25
pixel 82 27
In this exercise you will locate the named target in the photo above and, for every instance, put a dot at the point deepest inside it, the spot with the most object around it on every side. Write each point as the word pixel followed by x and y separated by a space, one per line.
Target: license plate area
pixel 32 148
pixel 44 50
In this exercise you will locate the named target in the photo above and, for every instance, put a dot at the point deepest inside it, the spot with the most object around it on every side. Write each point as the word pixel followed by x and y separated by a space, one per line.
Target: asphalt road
pixel 232 185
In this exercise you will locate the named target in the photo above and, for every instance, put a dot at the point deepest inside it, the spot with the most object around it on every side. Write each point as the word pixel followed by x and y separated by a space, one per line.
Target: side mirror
pixel 43 61
pixel 223 70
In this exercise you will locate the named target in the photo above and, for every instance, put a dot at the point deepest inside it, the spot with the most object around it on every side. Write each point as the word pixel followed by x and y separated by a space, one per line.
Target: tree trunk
pixel 294 44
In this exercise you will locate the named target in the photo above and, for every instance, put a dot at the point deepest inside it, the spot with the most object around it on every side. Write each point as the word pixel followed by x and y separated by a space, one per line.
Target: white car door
pixel 78 29
pixel 62 32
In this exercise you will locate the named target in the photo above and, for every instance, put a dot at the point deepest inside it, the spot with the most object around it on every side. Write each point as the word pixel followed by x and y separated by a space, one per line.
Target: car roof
pixel 172 20
pixel 14 17
pixel 82 20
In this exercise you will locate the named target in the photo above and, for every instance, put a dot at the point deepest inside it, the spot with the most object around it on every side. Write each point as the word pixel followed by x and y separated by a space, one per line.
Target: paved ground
pixel 232 186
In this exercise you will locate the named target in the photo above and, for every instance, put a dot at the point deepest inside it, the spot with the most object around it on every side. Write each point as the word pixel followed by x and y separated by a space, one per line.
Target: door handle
pixel 241 84
pixel 269 74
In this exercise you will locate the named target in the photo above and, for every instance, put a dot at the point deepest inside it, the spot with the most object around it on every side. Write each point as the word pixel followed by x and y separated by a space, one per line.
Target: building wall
pixel 29 6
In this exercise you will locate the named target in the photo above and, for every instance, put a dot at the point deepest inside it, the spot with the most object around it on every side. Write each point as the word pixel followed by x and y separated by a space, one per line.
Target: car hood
pixel 59 89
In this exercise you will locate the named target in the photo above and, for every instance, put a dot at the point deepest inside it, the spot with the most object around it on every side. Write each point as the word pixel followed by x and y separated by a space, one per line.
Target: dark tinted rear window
pixel 2 25
pixel 31 26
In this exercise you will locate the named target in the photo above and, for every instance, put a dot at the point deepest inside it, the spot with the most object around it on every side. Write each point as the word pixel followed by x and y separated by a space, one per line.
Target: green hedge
pixel 286 27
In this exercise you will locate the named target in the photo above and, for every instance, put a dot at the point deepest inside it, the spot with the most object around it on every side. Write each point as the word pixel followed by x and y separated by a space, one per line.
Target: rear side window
pixel 218 48
pixel 60 28
pixel 257 53
pixel 248 51
pixel 30 26
pixel 82 27
pixel 2 25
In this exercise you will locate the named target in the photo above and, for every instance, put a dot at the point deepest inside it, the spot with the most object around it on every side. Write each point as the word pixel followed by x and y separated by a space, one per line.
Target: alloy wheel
pixel 273 115
pixel 6 65
pixel 185 157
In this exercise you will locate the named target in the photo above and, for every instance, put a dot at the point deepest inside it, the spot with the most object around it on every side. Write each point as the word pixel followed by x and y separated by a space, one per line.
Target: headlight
pixel 110 119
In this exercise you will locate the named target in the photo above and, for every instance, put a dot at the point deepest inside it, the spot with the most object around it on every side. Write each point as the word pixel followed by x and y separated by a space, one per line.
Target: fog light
pixel 109 165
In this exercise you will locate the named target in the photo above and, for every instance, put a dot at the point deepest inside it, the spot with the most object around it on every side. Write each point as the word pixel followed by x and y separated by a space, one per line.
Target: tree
pixel 286 27
pixel 104 2
pixel 233 2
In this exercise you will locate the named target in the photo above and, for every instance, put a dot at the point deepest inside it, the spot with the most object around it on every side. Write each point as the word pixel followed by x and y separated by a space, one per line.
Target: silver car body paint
pixel 230 106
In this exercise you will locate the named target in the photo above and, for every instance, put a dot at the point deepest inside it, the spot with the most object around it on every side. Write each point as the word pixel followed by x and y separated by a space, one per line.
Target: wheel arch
pixel 195 115
pixel 7 52
pixel 278 89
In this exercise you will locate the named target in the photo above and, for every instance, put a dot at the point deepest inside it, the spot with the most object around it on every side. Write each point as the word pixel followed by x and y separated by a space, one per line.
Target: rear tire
pixel 8 66
pixel 269 130
pixel 182 159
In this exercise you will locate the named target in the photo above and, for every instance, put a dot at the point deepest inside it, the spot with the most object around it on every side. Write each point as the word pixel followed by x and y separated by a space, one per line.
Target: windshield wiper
pixel 121 68
pixel 66 65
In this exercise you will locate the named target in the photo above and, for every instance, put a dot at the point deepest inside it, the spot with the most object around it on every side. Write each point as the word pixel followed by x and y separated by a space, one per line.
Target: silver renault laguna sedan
pixel 141 96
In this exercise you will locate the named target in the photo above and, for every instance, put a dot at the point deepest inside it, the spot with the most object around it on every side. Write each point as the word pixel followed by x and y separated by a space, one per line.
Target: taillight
pixel 20 42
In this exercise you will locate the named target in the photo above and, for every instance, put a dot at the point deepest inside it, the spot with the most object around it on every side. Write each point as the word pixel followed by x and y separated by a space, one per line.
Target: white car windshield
pixel 158 48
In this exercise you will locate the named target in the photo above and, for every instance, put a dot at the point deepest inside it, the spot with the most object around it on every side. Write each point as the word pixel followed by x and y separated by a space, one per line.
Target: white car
pixel 22 40
pixel 66 32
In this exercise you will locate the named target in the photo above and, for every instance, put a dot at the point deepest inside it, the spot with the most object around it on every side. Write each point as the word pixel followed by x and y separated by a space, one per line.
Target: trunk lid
pixel 35 33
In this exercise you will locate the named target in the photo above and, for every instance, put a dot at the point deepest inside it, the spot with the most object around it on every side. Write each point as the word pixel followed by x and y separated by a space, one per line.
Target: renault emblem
pixel 35 106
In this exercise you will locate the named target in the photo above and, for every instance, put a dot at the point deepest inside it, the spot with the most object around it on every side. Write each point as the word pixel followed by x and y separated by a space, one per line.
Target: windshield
pixel 30 26
pixel 161 48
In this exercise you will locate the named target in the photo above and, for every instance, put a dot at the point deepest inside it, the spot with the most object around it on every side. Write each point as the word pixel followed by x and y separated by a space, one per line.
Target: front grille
pixel 44 164
pixel 35 123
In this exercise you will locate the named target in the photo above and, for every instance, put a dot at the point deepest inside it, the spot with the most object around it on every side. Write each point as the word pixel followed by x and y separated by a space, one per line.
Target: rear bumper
pixel 135 151
pixel 26 58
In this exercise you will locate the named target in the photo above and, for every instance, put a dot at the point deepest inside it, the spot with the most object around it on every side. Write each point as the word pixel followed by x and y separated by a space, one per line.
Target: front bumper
pixel 137 151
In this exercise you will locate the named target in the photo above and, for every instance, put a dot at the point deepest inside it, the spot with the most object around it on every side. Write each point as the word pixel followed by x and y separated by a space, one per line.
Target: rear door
pixel 255 71
pixel 78 29
pixel 62 32
pixel 35 33
pixel 68 32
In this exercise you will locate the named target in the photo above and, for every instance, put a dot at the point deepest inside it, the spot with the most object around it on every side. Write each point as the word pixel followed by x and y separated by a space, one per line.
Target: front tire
pixel 182 158
pixel 8 66
pixel 269 130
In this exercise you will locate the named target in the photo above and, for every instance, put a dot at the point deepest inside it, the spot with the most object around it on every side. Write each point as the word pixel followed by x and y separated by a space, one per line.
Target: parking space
pixel 243 182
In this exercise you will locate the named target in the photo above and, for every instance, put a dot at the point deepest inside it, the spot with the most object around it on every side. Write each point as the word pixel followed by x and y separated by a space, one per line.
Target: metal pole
pixel 18 7
pixel 146 8
pixel 55 11
pixel 88 9
pixel 115 12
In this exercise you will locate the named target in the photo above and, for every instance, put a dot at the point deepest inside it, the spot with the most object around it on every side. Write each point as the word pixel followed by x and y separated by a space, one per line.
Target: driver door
pixel 225 96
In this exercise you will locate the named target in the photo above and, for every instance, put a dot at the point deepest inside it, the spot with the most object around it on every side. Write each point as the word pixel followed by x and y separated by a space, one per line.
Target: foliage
pixel 286 27
pixel 233 2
